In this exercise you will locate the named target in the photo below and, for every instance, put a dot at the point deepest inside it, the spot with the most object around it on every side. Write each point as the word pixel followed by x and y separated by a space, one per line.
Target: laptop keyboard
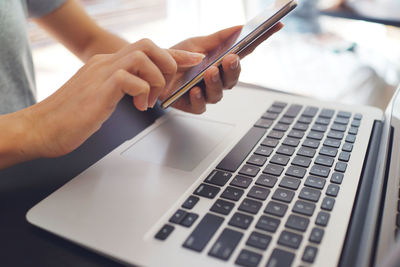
pixel 289 156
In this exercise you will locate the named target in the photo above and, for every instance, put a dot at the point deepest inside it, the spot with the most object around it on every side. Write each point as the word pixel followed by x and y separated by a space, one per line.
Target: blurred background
pixel 346 50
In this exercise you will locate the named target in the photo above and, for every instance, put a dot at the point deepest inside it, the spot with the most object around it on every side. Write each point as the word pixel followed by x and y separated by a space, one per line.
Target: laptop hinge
pixel 353 245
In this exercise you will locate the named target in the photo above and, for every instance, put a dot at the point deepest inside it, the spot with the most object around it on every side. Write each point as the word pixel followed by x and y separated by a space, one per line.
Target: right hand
pixel 63 121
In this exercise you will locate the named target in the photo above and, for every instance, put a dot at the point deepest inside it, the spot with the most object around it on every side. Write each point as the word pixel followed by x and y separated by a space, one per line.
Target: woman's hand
pixel 63 121
pixel 196 99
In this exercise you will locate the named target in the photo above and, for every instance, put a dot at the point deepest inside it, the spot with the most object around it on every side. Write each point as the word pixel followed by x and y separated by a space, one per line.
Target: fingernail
pixel 198 95
pixel 194 55
pixel 234 64
pixel 215 77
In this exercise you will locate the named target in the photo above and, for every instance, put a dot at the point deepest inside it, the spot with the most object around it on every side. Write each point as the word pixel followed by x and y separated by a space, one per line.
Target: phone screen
pixel 234 44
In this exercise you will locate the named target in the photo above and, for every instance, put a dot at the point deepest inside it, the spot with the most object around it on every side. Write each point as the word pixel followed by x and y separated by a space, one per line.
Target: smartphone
pixel 233 45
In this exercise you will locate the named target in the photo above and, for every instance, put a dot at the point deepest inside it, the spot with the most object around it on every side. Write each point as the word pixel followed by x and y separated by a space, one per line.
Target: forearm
pixel 16 140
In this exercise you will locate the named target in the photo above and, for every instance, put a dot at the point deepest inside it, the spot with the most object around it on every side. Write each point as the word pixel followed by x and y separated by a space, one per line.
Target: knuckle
pixel 119 77
pixel 146 42
pixel 138 57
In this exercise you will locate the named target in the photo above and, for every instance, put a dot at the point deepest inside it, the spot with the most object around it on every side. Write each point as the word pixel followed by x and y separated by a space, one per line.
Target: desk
pixel 24 185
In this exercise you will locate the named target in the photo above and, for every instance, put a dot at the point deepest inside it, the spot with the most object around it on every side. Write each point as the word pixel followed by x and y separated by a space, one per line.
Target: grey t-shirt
pixel 17 79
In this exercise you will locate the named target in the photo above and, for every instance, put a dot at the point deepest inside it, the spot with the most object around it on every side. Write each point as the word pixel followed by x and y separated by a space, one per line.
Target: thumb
pixel 185 59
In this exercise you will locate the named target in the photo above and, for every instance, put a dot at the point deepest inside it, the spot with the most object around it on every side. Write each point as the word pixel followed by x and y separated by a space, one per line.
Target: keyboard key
pixel 164 232
pixel 293 110
pixel 281 258
pixel 266 180
pixel 327 113
pixel 306 151
pixel 310 112
pixel 320 171
pixel 258 240
pixel 276 208
pixel 311 143
pixel 337 178
pixel 247 258
pixel 270 116
pixel 295 171
pixel 275 109
pixel 328 203
pixel 285 150
pixel 309 254
pixel 232 193
pixel 222 207
pixel 263 123
pixel 340 166
pixel 323 121
pixel 273 169
pixel 319 128
pixel 218 177
pixel 301 161
pixel 268 224
pixel 332 190
pixel 178 216
pixel 190 202
pixel 189 219
pixel 264 151
pixel 208 191
pixel 332 143
pixel 291 142
pixel 280 159
pixel 259 192
pixel 300 126
pixel 290 183
pixel 279 104
pixel 351 138
pixel 296 134
pixel 328 151
pixel 340 120
pixel 241 181
pixel 315 182
pixel 241 220
pixel 203 232
pixel 324 160
pixel 309 194
pixel 257 160
pixel 281 127
pixel 275 134
pixel 239 152
pixel 270 142
pixel 344 156
pixel 347 147
pixel 358 116
pixel 339 127
pixel 306 120
pixel 322 218
pixel 344 114
pixel 316 235
pixel 283 195
pixel 315 135
pixel 297 223
pixel 286 120
pixel 250 206
pixel 225 244
pixel 303 207
pixel 353 130
pixel 249 170
pixel 335 135
pixel 290 239
pixel 355 123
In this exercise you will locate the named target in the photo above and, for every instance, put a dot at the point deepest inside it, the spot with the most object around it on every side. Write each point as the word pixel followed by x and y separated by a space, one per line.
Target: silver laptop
pixel 260 179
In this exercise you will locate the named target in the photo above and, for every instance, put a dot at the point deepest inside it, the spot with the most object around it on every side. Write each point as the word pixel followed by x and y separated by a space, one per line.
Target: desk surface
pixel 24 185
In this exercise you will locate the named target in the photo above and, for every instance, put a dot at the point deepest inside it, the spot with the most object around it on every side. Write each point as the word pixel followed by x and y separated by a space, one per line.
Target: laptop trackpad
pixel 180 142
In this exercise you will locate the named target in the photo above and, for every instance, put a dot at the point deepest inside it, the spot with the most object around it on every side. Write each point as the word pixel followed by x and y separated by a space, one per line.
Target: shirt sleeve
pixel 39 8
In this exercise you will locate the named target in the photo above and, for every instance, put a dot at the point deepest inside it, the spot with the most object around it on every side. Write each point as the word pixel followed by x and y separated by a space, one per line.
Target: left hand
pixel 196 99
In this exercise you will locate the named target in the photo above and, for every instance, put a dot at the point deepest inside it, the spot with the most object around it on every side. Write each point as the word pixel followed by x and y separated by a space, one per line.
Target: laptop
pixel 262 178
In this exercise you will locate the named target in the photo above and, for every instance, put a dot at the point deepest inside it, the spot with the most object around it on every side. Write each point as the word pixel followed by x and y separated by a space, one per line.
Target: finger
pixel 122 82
pixel 213 84
pixel 231 69
pixel 139 64
pixel 277 27
pixel 197 101
pixel 207 43
pixel 185 59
